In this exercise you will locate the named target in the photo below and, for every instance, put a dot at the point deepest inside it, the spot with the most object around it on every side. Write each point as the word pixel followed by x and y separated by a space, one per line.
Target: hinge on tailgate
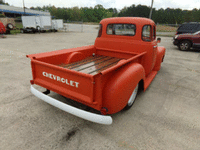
pixel 104 110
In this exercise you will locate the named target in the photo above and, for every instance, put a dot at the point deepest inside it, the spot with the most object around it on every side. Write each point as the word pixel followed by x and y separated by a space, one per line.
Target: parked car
pixel 190 27
pixel 186 41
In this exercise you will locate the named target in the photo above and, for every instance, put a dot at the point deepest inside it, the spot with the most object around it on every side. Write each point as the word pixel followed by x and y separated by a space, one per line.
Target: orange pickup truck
pixel 105 76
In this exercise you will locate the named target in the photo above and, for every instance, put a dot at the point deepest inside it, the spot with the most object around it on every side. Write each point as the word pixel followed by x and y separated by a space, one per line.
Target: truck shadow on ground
pixel 75 104
pixel 81 106
pixel 87 108
pixel 195 50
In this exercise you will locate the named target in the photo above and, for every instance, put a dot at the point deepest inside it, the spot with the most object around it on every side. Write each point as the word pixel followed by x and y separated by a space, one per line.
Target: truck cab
pixel 130 34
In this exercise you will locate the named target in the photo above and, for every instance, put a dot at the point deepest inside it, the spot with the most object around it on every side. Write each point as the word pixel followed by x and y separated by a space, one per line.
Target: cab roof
pixel 127 20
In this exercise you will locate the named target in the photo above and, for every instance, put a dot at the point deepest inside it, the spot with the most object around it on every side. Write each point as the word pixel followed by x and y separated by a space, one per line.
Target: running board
pixel 149 79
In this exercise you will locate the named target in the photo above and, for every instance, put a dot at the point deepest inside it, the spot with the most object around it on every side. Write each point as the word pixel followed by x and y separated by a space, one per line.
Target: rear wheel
pixel 132 98
pixel 21 30
pixel 184 45
pixel 38 29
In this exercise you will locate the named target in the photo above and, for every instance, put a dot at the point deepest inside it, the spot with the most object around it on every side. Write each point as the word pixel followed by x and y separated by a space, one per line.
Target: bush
pixel 2 16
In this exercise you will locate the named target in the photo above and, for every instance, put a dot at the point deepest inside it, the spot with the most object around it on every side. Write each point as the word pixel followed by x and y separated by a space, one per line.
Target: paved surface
pixel 165 117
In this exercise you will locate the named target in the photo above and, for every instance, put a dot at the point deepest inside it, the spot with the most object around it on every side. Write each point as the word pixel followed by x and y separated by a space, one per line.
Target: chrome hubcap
pixel 133 96
pixel 184 46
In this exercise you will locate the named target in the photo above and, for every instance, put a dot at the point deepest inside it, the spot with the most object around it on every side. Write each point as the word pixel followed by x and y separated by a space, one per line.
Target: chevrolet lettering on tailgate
pixel 59 79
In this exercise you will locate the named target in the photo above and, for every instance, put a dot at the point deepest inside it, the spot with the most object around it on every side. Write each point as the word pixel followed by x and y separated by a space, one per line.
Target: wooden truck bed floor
pixel 93 64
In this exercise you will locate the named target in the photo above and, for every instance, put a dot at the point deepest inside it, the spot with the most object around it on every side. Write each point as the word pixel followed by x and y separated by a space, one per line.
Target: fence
pixel 77 26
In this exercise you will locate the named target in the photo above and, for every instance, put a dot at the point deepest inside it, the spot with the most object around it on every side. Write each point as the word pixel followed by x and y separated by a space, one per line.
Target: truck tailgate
pixel 69 83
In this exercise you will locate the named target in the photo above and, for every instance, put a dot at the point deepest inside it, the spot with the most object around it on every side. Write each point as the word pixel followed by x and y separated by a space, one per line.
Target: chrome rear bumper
pixel 101 119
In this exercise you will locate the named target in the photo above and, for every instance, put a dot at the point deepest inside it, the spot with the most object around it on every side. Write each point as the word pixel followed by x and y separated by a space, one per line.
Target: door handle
pixel 155 46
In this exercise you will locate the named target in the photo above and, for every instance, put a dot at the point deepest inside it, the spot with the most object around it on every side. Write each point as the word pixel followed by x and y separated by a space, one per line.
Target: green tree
pixel 196 15
pixel 2 2
pixel 89 15
pixel 113 11
pixel 99 12
pixel 76 14
pixel 178 17
pixel 135 11
pixel 188 16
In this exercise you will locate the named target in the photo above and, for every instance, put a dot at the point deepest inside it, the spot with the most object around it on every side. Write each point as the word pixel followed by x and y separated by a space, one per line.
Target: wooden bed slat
pixel 93 64
pixel 84 61
pixel 103 68
pixel 99 66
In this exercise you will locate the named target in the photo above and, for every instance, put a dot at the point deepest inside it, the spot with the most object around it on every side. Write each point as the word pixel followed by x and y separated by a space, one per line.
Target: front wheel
pixel 132 98
pixel 10 26
pixel 184 45
pixel 7 31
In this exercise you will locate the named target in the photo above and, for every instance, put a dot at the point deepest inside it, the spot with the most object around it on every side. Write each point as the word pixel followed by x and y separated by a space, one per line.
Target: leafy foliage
pixel 2 2
pixel 89 14
pixel 163 16
pixel 86 14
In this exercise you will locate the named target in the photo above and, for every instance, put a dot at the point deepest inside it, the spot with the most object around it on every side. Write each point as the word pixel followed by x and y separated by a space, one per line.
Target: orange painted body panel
pixel 102 75
pixel 120 87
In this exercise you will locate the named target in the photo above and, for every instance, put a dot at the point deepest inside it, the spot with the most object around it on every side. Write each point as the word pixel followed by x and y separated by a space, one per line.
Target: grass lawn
pixel 164 28
pixel 18 25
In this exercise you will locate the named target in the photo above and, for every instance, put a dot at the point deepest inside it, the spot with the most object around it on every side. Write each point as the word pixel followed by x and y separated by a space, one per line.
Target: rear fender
pixel 119 88
pixel 159 58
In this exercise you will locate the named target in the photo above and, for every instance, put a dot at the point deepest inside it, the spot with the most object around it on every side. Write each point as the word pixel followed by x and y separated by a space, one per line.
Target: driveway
pixel 164 117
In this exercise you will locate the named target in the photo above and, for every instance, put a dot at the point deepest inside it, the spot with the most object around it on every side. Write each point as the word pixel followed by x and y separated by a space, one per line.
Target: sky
pixel 119 4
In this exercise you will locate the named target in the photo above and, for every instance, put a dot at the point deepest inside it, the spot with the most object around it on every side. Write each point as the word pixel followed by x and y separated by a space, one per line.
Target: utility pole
pixel 24 7
pixel 151 10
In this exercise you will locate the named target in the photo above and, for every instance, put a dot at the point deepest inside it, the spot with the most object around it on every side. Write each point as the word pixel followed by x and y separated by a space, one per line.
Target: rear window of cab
pixel 121 29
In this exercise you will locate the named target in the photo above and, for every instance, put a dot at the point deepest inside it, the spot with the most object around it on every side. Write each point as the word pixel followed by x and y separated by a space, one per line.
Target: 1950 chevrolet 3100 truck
pixel 104 76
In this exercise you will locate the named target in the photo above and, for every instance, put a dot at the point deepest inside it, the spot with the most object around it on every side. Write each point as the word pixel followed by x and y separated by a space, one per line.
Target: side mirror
pixel 158 40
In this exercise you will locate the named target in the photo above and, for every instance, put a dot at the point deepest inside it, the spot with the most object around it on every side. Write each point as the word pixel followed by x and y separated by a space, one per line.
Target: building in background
pixel 11 11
